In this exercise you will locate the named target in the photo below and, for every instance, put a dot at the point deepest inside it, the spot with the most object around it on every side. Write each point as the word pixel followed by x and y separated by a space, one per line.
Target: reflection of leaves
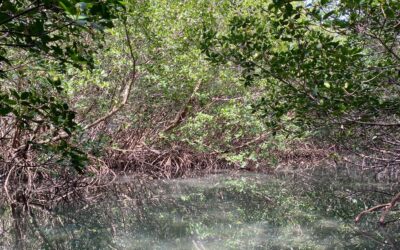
pixel 225 218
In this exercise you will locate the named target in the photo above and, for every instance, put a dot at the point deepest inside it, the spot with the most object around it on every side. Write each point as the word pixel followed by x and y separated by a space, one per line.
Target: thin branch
pixel 397 57
pixel 183 112
pixel 395 124
pixel 17 45
pixel 21 14
pixel 128 87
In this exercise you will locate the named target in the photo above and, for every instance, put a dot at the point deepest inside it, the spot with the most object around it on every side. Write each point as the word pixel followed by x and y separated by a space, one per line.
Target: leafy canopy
pixel 317 59
pixel 44 34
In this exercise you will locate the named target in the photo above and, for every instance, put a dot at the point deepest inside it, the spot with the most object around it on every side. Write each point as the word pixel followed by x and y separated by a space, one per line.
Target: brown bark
pixel 180 116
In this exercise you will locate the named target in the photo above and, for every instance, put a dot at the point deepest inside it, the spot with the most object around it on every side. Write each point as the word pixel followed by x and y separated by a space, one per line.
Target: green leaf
pixel 5 110
pixel 327 85
pixel 25 95
pixel 327 15
pixel 324 2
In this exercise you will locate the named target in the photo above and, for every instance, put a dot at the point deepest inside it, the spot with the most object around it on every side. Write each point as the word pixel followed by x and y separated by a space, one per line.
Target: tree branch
pixel 396 124
pixel 183 112
pixel 387 207
pixel 128 86
pixel 21 14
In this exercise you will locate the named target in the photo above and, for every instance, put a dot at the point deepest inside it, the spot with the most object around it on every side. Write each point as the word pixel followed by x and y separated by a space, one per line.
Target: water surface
pixel 313 210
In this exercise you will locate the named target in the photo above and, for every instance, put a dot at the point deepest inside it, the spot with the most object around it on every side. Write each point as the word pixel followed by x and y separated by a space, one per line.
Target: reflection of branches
pixel 40 231
pixel 371 237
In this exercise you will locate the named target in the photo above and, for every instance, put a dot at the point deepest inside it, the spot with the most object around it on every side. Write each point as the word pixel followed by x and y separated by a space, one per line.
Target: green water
pixel 312 210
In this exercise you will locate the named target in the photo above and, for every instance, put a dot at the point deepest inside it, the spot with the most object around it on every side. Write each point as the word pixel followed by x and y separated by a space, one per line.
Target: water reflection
pixel 247 211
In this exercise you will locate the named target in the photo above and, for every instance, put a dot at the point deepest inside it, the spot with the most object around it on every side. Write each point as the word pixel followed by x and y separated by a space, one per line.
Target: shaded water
pixel 243 211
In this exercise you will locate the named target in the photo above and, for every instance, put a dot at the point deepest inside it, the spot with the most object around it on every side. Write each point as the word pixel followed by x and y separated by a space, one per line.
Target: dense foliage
pixel 318 61
pixel 39 39
pixel 162 87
